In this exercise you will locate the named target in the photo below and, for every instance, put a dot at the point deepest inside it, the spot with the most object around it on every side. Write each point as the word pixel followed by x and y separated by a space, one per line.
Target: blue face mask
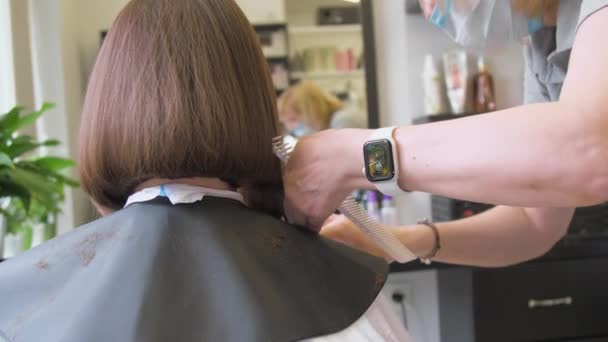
pixel 302 130
pixel 477 23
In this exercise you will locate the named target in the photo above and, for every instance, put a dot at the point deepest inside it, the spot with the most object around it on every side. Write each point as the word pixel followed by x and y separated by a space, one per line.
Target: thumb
pixel 295 217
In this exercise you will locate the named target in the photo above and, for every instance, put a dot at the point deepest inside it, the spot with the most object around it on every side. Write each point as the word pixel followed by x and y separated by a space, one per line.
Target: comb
pixel 283 148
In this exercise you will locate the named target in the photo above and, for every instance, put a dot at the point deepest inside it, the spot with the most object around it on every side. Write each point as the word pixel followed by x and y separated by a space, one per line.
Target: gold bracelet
pixel 428 259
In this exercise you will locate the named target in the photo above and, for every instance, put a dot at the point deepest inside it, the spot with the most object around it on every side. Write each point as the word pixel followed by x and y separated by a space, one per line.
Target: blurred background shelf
pixel 318 29
pixel 327 74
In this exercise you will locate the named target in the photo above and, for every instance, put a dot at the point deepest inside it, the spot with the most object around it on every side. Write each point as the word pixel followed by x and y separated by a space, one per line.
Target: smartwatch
pixel 381 161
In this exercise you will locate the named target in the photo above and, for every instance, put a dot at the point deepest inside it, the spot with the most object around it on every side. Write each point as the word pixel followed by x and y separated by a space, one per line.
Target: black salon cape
pixel 208 271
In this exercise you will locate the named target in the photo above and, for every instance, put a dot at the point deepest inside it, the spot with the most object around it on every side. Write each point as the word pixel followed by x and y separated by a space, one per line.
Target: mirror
pixel 321 60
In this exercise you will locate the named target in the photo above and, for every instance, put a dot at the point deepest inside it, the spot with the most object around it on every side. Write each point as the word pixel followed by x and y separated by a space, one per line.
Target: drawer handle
pixel 547 303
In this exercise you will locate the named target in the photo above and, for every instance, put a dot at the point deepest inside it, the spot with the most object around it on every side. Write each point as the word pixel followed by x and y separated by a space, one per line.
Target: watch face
pixel 379 160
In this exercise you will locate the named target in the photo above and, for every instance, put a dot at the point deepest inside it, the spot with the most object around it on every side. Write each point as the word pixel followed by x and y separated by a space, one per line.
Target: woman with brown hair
pixel 175 151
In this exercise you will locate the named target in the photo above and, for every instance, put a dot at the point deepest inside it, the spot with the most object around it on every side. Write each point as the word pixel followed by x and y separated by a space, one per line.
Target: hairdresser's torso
pixel 548 53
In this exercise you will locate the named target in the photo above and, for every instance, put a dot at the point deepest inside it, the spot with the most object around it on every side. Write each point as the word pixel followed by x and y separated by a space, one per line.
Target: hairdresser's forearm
pixel 553 154
pixel 542 155
pixel 499 237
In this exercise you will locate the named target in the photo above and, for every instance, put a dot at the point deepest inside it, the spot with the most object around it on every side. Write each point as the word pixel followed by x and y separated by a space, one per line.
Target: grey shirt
pixel 548 53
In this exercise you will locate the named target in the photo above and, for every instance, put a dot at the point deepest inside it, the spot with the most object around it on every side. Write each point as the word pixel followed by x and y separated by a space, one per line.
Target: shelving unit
pixel 294 30
pixel 274 41
pixel 328 74
pixel 326 48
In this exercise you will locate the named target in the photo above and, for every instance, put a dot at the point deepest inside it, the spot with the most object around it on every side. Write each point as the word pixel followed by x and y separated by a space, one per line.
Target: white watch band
pixel 389 187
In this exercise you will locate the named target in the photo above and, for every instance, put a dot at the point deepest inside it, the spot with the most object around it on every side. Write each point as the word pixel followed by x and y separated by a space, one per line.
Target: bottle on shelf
pixel 388 213
pixel 455 64
pixel 342 60
pixel 372 206
pixel 433 87
pixel 483 89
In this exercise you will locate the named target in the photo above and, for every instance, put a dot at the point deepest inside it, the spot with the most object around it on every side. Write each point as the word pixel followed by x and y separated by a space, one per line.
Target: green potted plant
pixel 31 186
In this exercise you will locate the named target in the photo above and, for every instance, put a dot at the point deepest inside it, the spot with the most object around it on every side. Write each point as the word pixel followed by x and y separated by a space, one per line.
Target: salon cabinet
pixel 548 300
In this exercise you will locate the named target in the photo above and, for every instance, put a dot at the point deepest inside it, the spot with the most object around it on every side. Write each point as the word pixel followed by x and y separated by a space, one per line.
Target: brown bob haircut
pixel 180 89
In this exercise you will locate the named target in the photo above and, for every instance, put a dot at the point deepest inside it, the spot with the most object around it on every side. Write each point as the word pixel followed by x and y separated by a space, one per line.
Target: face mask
pixel 302 130
pixel 477 23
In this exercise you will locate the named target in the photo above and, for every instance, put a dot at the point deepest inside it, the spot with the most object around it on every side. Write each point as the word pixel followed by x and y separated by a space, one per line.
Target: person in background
pixel 305 108
pixel 536 162
pixel 175 151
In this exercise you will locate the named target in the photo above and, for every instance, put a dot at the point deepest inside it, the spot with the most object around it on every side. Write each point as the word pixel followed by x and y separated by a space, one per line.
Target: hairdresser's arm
pixel 540 155
pixel 552 154
pixel 498 237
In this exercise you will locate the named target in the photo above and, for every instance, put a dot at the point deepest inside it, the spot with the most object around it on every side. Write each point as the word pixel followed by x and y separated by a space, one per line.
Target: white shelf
pixel 328 74
pixel 324 29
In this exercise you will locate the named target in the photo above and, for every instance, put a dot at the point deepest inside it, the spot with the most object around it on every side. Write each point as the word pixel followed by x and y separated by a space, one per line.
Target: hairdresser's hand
pixel 418 238
pixel 427 7
pixel 322 171
pixel 341 229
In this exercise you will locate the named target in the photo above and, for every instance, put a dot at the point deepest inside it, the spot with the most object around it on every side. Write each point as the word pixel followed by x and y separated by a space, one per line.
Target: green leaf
pixel 54 163
pixel 35 187
pixel 23 139
pixel 5 160
pixel 52 175
pixel 39 187
pixel 19 148
pixel 32 117
pixel 50 142
pixel 67 181
pixel 46 106
pixel 15 111
pixel 9 121
pixel 10 189
pixel 24 144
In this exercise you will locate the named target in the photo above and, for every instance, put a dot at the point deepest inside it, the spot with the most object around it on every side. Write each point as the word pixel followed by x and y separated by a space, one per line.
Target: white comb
pixel 284 146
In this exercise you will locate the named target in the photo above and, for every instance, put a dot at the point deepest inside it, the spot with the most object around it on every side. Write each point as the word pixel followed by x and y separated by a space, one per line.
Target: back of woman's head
pixel 180 89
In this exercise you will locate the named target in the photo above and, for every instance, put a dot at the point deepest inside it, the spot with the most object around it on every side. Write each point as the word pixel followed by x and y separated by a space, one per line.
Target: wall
pixel 93 17
pixel 24 92
pixel 7 76
pixel 81 24
pixel 49 80
pixel 59 71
